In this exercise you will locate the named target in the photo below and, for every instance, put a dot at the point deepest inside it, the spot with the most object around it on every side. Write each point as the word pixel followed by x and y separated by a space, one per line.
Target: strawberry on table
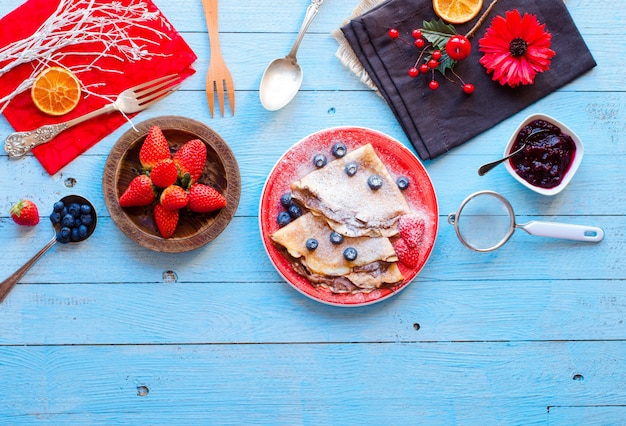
pixel 173 198
pixel 166 220
pixel 203 199
pixel 154 148
pixel 140 192
pixel 25 213
pixel 190 159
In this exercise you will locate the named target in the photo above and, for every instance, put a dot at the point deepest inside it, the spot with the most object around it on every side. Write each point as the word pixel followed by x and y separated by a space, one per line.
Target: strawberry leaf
pixel 185 180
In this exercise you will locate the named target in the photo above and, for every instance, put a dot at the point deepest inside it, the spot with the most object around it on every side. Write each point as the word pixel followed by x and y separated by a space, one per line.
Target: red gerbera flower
pixel 516 48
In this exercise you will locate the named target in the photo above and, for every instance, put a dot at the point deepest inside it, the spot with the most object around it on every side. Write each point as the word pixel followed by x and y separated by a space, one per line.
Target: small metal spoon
pixel 7 285
pixel 282 78
pixel 488 166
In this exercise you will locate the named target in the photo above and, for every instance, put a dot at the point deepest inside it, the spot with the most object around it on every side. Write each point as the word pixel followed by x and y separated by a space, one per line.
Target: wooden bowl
pixel 194 229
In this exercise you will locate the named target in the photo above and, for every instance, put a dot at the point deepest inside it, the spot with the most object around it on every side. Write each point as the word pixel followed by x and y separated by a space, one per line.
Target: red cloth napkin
pixel 22 114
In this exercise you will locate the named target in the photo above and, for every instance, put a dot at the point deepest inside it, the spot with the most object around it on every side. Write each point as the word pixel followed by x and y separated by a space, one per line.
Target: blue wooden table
pixel 533 333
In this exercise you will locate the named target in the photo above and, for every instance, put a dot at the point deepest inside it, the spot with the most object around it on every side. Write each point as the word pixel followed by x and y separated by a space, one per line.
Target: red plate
pixel 297 162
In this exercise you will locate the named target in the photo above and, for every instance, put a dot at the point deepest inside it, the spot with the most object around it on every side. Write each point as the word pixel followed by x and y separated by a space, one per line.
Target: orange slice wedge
pixel 56 91
pixel 457 11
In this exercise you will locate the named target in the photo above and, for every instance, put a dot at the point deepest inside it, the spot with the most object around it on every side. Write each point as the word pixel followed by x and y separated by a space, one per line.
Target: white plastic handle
pixel 565 231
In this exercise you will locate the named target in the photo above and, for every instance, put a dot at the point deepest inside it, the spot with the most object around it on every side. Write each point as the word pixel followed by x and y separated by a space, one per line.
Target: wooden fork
pixel 218 75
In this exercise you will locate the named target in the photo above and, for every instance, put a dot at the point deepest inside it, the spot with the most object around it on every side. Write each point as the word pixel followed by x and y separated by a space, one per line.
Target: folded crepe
pixel 374 267
pixel 437 121
pixel 347 203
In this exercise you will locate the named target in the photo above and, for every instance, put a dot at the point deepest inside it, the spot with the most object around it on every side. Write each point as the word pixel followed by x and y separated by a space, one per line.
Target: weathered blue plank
pixel 391 383
pixel 530 334
pixel 428 310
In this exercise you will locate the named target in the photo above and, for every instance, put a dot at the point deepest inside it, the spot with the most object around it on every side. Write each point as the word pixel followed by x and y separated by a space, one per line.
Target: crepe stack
pixel 366 217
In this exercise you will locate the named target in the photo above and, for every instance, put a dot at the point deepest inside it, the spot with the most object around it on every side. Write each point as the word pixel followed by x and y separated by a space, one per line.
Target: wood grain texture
pixel 493 382
pixel 533 333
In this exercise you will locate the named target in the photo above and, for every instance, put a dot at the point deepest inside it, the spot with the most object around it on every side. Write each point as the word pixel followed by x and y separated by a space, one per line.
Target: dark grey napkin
pixel 437 121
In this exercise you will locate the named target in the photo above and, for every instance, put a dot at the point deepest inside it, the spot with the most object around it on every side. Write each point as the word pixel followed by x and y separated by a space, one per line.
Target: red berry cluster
pixel 431 58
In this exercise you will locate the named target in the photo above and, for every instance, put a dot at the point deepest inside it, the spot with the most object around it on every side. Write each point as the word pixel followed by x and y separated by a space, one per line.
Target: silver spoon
pixel 487 167
pixel 283 76
pixel 7 285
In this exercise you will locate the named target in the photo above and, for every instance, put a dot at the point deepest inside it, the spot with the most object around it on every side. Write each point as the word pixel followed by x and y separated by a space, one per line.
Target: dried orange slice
pixel 56 91
pixel 457 11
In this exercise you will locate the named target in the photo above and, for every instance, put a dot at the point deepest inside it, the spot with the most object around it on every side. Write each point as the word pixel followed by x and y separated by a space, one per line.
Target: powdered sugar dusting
pixel 298 161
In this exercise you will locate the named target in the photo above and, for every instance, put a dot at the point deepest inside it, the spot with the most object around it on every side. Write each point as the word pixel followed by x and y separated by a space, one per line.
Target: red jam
pixel 547 156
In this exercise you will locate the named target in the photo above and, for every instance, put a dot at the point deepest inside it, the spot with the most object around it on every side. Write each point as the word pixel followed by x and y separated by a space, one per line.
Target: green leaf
pixel 445 63
pixel 185 180
pixel 437 33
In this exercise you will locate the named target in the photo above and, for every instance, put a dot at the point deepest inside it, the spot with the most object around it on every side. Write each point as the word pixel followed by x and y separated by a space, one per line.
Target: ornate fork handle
pixel 20 143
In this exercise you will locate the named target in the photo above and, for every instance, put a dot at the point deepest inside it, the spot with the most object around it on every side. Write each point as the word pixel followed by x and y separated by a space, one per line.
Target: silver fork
pixel 129 101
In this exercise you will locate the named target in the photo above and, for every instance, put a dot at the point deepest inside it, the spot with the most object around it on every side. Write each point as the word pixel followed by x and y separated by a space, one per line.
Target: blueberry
pixel 63 235
pixel 311 244
pixel 286 199
pixel 85 209
pixel 336 238
pixel 339 149
pixel 86 219
pixel 351 168
pixel 77 221
pixel 403 182
pixel 82 231
pixel 58 206
pixel 375 182
pixel 319 160
pixel 55 217
pixel 74 209
pixel 74 234
pixel 283 219
pixel 68 220
pixel 350 254
pixel 294 211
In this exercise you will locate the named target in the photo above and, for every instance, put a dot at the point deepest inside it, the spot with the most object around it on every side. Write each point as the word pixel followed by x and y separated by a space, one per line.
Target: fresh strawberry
pixel 411 227
pixel 190 159
pixel 154 148
pixel 140 192
pixel 173 198
pixel 25 213
pixel 408 256
pixel 166 220
pixel 164 173
pixel 204 199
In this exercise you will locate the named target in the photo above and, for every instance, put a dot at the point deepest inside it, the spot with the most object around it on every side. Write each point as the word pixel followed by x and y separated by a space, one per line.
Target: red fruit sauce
pixel 547 156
